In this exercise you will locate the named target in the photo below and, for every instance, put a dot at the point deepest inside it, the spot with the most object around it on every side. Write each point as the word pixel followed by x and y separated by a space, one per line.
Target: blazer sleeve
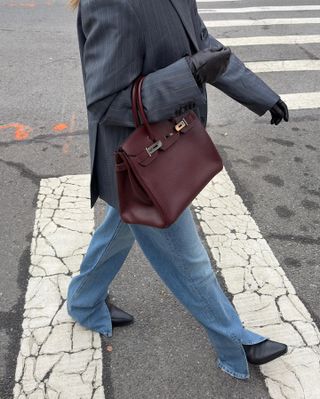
pixel 238 81
pixel 113 57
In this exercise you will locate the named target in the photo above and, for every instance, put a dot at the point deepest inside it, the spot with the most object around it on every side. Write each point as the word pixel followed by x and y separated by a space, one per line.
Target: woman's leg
pixel 108 249
pixel 179 257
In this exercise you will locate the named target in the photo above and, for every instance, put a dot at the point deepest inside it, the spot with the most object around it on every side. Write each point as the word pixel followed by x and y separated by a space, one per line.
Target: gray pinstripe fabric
pixel 121 39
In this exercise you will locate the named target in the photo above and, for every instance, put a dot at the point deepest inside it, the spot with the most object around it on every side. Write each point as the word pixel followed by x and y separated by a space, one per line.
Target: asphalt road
pixel 275 170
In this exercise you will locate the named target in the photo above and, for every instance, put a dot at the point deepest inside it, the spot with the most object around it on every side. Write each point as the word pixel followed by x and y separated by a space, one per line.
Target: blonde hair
pixel 73 4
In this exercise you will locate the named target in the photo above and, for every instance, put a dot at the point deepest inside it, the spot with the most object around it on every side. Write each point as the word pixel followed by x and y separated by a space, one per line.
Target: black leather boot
pixel 264 352
pixel 118 316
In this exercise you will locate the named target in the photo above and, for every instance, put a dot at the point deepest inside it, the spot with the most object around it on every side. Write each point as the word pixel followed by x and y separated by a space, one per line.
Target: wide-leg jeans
pixel 180 259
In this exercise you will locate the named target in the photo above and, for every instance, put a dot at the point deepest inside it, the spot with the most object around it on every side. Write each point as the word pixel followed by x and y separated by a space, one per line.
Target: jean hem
pixel 253 342
pixel 231 372
pixel 107 334
pixel 249 337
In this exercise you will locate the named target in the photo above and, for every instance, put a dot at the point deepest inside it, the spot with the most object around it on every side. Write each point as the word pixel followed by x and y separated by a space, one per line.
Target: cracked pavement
pixel 262 294
pixel 58 358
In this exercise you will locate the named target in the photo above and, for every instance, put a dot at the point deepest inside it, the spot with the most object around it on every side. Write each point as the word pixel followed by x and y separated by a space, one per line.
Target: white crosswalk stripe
pixel 261 22
pixel 284 65
pixel 265 40
pixel 52 344
pixel 297 101
pixel 246 10
pixel 263 296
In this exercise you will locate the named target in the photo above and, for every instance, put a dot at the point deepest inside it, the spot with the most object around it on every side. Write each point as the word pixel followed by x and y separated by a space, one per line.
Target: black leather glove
pixel 208 64
pixel 278 112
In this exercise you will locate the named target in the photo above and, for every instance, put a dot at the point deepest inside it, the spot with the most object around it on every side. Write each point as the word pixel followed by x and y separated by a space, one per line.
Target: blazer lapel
pixel 186 20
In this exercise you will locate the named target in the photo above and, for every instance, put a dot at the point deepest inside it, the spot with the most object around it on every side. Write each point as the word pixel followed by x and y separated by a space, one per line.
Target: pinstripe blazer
pixel 121 39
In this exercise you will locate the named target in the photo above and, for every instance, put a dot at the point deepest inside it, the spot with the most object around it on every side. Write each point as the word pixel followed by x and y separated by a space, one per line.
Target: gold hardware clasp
pixel 179 126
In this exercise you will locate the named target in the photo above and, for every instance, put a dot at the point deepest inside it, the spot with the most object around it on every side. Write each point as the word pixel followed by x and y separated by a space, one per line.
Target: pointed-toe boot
pixel 118 316
pixel 264 352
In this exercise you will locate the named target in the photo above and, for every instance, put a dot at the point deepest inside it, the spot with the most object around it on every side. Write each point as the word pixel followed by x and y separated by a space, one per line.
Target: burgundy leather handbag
pixel 161 167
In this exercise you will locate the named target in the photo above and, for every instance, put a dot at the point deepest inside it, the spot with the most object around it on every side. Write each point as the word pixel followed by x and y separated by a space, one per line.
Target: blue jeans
pixel 179 257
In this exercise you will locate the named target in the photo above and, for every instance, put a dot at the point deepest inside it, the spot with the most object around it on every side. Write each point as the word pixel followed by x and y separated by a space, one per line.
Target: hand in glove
pixel 278 112
pixel 207 65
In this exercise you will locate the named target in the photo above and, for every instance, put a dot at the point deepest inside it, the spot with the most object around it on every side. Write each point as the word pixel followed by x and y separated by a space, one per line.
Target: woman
pixel 168 43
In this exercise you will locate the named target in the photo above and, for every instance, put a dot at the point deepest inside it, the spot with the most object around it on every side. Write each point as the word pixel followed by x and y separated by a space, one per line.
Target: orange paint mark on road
pixel 22 131
pixel 60 127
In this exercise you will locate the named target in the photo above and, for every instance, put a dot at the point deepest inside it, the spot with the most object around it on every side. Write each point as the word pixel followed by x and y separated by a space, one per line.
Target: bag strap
pixel 141 109
pixel 134 102
pixel 137 107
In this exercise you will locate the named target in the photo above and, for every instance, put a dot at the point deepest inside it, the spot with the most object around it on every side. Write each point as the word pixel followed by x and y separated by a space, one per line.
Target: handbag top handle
pixel 137 107
pixel 134 102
